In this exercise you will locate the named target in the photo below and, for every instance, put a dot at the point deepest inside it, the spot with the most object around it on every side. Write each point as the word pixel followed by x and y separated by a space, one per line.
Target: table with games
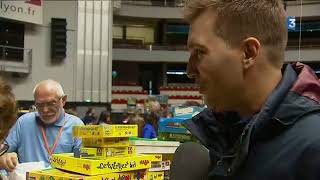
pixel 111 152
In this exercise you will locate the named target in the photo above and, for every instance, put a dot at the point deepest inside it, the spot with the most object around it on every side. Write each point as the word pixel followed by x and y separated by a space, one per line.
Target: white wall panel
pixel 38 38
pixel 95 48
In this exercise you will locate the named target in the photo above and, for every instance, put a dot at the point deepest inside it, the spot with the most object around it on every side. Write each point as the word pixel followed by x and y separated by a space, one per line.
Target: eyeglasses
pixel 3 148
pixel 51 104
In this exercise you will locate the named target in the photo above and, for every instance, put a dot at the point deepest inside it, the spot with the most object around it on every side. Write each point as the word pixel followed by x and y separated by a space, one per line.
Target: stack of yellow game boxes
pixel 105 154
pixel 162 149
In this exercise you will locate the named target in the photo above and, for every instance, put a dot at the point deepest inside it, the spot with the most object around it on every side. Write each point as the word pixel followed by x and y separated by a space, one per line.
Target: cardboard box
pixel 105 142
pixel 160 166
pixel 148 142
pixel 155 176
pixel 98 131
pixel 167 157
pixel 144 146
pixel 155 157
pixel 103 153
pixel 155 149
pixel 172 125
pixel 186 112
pixel 52 174
pixel 175 137
pixel 98 166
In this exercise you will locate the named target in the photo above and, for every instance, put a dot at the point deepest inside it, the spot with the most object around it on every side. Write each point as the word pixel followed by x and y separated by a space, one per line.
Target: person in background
pixel 37 135
pixel 138 120
pixel 104 118
pixel 89 117
pixel 8 114
pixel 155 106
pixel 32 108
pixel 260 124
pixel 156 111
pixel 169 114
pixel 128 116
pixel 149 128
pixel 72 111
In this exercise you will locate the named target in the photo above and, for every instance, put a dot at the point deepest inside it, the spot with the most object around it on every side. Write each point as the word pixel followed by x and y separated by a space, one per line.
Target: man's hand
pixel 9 161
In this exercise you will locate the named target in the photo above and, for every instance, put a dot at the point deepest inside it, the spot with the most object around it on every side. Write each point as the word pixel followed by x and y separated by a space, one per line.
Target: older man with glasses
pixel 37 135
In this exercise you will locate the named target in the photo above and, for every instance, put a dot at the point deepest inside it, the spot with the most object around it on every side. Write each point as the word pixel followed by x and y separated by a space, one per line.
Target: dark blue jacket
pixel 281 142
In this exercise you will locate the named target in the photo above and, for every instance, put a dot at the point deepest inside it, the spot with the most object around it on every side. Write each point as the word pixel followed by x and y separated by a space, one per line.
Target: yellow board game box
pixel 103 153
pixel 105 142
pixel 56 174
pixel 95 131
pixel 155 175
pixel 167 157
pixel 155 157
pixel 160 166
pixel 100 166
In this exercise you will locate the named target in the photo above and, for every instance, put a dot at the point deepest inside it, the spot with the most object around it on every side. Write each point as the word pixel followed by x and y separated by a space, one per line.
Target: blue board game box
pixel 172 125
pixel 186 112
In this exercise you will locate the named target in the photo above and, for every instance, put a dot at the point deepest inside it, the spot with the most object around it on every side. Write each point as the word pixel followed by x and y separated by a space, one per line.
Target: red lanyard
pixel 50 151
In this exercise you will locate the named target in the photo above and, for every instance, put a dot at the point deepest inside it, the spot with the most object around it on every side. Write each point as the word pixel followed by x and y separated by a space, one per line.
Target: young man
pixel 37 135
pixel 259 124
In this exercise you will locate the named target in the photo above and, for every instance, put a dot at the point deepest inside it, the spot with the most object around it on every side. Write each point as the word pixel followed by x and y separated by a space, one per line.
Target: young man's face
pixel 216 67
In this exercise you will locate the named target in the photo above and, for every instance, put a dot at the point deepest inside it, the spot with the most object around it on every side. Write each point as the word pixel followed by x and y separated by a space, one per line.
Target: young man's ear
pixel 251 48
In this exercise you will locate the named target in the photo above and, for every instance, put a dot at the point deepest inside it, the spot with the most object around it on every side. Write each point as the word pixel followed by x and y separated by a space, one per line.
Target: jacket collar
pixel 269 115
pixel 287 103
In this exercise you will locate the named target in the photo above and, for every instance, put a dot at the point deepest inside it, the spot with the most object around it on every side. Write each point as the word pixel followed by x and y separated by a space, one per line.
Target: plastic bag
pixel 21 170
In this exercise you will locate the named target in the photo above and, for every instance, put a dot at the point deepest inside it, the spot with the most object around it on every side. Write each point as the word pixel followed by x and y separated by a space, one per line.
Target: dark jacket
pixel 281 142
pixel 88 119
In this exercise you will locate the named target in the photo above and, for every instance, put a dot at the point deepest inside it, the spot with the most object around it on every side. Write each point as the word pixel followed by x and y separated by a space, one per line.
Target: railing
pixel 139 45
pixel 15 59
pixel 161 3
pixel 294 47
pixel 295 2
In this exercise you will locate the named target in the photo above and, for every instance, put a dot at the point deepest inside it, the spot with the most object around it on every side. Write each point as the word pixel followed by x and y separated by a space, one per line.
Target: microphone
pixel 191 161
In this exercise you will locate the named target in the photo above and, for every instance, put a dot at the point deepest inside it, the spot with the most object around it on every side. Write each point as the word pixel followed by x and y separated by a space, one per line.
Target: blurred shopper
pixel 138 120
pixel 169 114
pixel 128 116
pixel 37 135
pixel 72 111
pixel 32 108
pixel 104 118
pixel 8 114
pixel 155 106
pixel 90 116
pixel 133 117
pixel 260 124
pixel 155 111
pixel 149 128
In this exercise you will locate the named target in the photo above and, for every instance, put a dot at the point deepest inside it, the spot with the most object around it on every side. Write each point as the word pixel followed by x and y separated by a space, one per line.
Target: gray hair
pixel 54 84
